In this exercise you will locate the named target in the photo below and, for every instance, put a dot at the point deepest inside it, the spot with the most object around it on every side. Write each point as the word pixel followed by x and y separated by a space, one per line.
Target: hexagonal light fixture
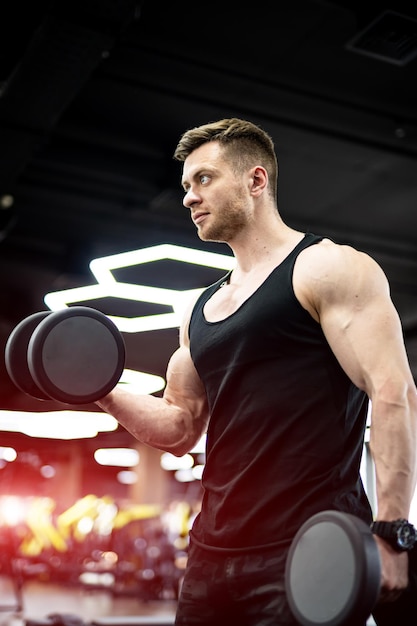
pixel 107 286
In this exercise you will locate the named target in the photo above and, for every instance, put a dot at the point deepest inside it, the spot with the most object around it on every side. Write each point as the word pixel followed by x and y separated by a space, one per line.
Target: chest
pixel 230 297
pixel 268 326
pixel 224 302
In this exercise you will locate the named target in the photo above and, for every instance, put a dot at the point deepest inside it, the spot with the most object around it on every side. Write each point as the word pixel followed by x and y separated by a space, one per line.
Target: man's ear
pixel 259 180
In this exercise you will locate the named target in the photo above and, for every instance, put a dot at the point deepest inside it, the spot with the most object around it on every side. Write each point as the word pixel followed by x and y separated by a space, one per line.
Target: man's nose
pixel 190 199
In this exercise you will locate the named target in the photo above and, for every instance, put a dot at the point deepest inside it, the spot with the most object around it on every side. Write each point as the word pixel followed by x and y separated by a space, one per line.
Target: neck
pixel 263 246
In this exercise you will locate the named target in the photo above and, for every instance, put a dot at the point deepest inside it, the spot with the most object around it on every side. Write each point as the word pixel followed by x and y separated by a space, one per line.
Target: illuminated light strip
pixel 101 268
pixel 120 457
pixel 57 424
pixel 58 300
pixel 7 454
pixel 139 293
pixel 141 382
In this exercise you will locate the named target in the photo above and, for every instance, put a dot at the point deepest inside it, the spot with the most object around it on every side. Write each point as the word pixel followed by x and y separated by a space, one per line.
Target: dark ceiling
pixel 95 94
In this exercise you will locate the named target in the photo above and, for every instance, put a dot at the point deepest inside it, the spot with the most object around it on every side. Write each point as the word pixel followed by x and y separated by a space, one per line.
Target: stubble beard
pixel 227 224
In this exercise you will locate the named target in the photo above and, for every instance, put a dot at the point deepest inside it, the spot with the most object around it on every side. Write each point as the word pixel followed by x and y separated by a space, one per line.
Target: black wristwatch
pixel 400 534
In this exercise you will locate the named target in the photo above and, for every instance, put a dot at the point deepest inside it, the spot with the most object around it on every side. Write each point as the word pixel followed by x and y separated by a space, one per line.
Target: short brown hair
pixel 244 143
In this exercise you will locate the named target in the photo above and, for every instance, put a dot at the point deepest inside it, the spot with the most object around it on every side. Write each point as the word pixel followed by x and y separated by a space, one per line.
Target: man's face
pixel 217 197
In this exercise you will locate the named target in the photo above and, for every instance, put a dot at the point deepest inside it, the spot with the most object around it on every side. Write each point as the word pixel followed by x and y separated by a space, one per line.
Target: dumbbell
pixel 75 355
pixel 333 571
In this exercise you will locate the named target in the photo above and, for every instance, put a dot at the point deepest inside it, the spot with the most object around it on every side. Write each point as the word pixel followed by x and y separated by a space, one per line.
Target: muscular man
pixel 277 362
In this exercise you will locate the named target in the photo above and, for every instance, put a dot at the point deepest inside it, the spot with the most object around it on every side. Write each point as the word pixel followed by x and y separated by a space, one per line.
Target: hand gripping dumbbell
pixel 75 355
pixel 333 575
pixel 333 571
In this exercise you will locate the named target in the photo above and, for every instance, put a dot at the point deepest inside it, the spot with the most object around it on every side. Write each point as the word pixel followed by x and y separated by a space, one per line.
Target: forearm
pixel 393 444
pixel 154 421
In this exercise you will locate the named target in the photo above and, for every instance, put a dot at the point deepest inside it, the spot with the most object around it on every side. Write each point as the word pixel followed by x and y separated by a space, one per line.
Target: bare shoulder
pixel 328 260
pixel 329 271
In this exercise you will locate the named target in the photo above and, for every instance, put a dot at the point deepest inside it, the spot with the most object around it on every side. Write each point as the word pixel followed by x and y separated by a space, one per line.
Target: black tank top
pixel 285 436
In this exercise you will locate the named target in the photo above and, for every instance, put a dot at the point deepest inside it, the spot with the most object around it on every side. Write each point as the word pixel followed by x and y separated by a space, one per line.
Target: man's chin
pixel 207 235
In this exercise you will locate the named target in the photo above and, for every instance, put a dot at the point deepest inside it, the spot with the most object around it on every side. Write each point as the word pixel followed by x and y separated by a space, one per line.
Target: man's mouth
pixel 199 216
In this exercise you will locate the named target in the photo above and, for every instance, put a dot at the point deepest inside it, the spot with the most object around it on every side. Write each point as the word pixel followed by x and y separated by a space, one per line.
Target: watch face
pixel 406 536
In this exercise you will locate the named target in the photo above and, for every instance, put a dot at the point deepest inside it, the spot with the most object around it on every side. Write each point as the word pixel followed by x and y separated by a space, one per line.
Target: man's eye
pixel 204 179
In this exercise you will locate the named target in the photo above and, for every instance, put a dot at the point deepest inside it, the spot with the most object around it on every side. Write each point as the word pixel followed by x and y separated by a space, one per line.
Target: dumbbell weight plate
pixel 333 571
pixel 76 355
pixel 16 356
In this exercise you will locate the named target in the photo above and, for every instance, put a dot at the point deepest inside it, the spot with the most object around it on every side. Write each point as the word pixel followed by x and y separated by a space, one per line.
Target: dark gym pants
pixel 244 589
